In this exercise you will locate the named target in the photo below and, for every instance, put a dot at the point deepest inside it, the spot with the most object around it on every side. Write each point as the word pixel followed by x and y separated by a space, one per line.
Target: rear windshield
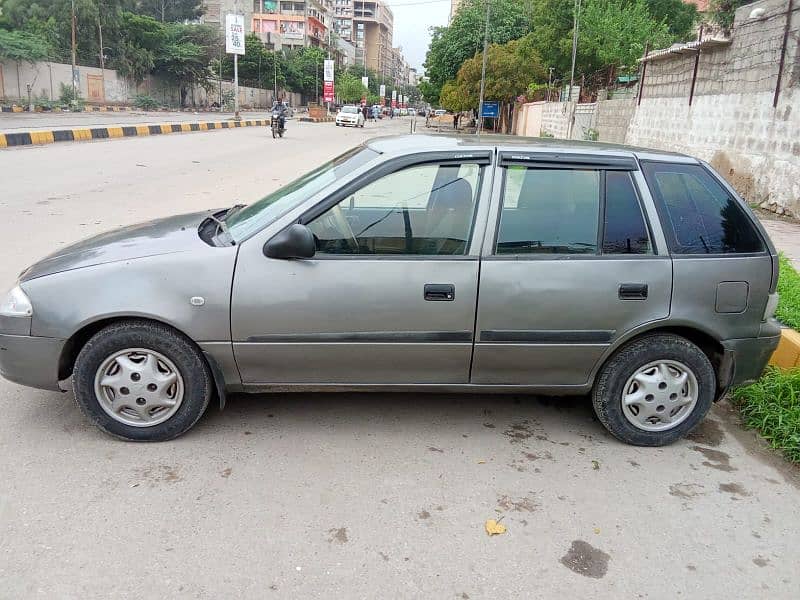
pixel 698 213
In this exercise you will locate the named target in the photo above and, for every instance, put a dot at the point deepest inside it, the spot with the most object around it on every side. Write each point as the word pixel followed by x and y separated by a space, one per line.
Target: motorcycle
pixel 278 124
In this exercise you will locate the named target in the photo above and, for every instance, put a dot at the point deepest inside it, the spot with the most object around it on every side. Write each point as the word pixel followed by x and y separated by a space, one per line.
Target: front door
pixel 390 296
pixel 570 267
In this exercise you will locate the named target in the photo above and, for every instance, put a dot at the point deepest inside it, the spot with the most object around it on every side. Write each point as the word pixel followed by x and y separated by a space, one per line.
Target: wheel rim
pixel 660 395
pixel 139 387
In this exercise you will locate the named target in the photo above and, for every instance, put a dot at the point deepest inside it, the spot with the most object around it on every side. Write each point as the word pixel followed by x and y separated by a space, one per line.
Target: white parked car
pixel 350 115
pixel 412 112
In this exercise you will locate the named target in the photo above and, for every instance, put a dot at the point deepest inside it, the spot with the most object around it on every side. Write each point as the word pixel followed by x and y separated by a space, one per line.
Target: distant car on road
pixel 350 115
pixel 439 112
pixel 412 112
pixel 638 276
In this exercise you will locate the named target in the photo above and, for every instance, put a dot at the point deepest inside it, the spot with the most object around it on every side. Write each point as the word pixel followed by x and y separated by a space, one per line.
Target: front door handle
pixel 440 292
pixel 633 291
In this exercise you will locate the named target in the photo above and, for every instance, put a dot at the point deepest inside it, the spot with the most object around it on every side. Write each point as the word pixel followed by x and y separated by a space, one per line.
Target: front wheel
pixel 655 390
pixel 142 381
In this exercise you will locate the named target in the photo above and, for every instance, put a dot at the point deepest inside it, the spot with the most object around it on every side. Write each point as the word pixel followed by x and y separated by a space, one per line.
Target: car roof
pixel 404 144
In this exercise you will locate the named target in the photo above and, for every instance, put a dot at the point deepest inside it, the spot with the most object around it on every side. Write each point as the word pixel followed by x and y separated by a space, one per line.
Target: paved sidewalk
pixel 785 235
pixel 18 122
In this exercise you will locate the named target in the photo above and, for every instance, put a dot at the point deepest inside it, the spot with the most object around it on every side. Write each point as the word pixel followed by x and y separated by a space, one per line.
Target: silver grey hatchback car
pixel 417 263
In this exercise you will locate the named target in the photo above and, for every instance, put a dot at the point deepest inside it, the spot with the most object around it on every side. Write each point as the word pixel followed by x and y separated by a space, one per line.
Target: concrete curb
pixel 80 134
pixel 317 119
pixel 787 354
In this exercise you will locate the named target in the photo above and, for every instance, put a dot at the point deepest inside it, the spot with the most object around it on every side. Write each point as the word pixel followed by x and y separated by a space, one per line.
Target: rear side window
pixel 698 214
pixel 625 231
pixel 550 211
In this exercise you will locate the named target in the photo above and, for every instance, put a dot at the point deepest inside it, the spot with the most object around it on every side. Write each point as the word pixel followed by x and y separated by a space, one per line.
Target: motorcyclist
pixel 281 109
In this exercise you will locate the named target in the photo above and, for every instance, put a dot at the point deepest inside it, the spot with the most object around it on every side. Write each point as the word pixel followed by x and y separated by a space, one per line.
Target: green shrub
pixel 145 102
pixel 69 99
pixel 788 311
pixel 772 406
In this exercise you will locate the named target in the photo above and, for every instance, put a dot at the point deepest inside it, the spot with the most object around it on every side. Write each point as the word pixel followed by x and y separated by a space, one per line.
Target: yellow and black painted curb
pixel 787 354
pixel 80 134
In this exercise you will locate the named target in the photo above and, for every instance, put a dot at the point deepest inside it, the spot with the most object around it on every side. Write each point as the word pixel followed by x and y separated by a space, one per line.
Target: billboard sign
pixel 234 34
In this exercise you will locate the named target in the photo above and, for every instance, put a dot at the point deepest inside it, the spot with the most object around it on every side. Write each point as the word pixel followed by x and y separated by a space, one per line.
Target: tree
pixel 349 88
pixel 168 11
pixel 304 70
pixel 257 68
pixel 22 46
pixel 186 55
pixel 510 69
pixel 614 33
pixel 677 15
pixel 451 46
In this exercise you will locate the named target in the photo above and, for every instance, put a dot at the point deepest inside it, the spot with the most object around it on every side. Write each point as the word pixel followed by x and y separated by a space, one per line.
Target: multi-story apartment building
pixel 373 30
pixel 293 23
pixel 343 19
pixel 214 12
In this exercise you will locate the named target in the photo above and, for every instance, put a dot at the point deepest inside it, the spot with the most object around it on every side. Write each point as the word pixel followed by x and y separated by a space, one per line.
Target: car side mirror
pixel 296 241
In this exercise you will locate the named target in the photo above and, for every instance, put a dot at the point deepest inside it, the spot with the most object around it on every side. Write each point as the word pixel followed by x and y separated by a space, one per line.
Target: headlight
pixel 16 304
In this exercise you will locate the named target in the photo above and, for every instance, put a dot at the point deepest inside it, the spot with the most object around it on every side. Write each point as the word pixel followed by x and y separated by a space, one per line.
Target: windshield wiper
pixel 233 210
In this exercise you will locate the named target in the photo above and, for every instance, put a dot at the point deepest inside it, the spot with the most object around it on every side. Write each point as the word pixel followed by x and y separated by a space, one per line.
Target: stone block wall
pixel 613 118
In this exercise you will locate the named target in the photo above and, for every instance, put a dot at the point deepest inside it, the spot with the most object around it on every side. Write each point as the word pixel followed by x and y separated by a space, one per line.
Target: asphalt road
pixel 350 495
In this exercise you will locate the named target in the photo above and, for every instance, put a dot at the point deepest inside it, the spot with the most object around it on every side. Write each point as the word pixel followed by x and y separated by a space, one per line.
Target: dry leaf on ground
pixel 494 527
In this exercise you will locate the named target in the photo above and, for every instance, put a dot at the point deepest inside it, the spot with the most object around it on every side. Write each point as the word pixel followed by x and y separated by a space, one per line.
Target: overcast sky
pixel 411 25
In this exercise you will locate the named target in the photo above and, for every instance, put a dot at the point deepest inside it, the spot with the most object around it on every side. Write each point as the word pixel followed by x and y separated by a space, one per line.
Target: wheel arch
pixel 711 346
pixel 78 339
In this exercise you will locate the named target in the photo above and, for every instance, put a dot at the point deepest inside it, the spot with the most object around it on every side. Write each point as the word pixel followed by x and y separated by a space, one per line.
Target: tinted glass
pixel 624 229
pixel 699 215
pixel 425 209
pixel 549 211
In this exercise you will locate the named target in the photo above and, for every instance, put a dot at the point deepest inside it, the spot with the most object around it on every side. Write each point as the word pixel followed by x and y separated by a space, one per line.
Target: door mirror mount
pixel 296 241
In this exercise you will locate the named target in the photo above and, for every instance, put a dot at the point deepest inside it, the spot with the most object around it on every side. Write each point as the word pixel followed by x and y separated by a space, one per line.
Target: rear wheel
pixel 142 381
pixel 655 390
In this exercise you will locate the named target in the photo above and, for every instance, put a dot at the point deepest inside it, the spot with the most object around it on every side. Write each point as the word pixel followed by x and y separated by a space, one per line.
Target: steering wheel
pixel 344 228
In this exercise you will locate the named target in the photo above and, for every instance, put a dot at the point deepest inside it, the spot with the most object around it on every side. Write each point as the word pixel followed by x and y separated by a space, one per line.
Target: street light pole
pixel 483 69
pixel 577 23
pixel 74 62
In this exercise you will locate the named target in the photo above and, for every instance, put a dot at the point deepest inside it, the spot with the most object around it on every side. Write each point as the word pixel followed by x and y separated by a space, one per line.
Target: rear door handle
pixel 440 292
pixel 633 291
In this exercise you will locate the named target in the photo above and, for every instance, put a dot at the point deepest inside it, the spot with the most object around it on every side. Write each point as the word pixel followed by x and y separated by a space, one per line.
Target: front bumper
pixel 751 355
pixel 31 361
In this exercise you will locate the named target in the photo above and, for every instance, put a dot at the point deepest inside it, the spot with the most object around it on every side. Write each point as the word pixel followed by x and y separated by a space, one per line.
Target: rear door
pixel 568 266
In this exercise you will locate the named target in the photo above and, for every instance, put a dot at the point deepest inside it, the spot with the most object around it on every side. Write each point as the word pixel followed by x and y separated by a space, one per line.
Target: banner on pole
pixel 383 91
pixel 234 34
pixel 328 70
pixel 394 98
pixel 327 91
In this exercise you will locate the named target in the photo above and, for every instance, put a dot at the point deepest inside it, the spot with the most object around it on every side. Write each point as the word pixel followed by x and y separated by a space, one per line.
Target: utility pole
pixel 576 22
pixel 483 69
pixel 102 59
pixel 74 48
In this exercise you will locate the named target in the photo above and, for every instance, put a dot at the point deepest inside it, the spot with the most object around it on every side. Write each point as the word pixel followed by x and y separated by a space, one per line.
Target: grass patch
pixel 788 311
pixel 772 406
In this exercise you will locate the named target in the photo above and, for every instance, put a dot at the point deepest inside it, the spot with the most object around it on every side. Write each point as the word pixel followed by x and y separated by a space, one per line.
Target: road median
pixel 40 137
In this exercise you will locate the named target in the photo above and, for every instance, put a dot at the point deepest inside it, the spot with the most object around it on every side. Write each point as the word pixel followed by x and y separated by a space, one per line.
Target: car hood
pixel 159 236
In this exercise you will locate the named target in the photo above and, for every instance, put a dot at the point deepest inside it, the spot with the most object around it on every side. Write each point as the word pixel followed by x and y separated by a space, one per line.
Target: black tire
pixel 608 388
pixel 197 380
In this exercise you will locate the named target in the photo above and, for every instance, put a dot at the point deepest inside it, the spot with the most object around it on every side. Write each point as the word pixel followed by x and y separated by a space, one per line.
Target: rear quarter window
pixel 698 214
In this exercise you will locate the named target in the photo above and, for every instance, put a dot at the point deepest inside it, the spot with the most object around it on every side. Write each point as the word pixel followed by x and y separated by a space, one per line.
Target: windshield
pixel 249 220
pixel 349 109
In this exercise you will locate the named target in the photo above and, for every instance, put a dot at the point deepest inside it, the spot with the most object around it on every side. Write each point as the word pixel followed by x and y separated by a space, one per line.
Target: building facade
pixel 287 24
pixel 454 4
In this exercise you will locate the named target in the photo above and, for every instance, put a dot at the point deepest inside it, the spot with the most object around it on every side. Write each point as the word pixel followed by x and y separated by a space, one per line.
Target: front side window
pixel 549 211
pixel 256 216
pixel 698 213
pixel 421 210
